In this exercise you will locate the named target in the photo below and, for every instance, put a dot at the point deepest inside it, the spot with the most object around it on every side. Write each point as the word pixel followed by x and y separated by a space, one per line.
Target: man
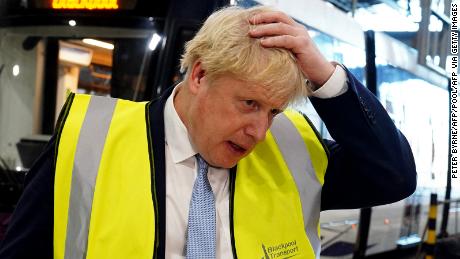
pixel 196 173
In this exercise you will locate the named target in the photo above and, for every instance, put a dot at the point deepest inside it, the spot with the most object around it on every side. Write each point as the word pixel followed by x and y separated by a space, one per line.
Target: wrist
pixel 321 75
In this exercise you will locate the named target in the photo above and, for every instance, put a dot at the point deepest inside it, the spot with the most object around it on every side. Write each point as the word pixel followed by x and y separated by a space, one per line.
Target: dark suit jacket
pixel 370 163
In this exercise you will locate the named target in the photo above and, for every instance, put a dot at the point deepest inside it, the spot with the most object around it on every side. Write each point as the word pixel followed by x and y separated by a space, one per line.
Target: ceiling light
pixel 15 70
pixel 72 23
pixel 99 43
pixel 154 41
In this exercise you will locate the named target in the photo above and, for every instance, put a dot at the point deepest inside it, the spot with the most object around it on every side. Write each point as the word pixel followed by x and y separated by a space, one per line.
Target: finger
pixel 273 29
pixel 271 17
pixel 283 41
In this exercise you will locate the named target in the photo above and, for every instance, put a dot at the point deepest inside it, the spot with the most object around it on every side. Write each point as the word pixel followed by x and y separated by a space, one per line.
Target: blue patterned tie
pixel 201 234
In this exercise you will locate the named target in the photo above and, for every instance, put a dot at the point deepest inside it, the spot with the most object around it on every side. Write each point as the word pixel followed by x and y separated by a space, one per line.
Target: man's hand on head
pixel 277 29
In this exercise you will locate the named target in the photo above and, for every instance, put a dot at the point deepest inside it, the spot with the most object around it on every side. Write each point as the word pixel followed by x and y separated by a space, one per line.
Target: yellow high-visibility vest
pixel 105 205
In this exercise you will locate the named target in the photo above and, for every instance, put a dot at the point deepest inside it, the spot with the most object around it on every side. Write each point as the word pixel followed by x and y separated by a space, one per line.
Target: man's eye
pixel 249 102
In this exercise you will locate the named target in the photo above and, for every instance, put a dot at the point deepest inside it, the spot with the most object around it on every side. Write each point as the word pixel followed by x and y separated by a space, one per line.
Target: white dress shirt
pixel 181 172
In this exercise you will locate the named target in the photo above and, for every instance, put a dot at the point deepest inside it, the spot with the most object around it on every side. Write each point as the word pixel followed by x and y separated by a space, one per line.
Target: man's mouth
pixel 236 148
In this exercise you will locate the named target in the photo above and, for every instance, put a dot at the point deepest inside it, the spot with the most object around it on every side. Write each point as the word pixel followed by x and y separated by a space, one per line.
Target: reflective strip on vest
pixel 103 199
pixel 86 165
pixel 309 186
pixel 277 193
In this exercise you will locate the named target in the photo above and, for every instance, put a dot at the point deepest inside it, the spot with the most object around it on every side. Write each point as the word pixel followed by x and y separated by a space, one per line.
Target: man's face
pixel 228 118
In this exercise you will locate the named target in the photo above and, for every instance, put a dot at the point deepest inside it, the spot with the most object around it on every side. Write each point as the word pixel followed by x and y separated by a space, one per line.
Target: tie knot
pixel 202 164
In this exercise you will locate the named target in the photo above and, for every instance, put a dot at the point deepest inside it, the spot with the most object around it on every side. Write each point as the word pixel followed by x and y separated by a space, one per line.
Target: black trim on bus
pixel 50 82
pixel 83 19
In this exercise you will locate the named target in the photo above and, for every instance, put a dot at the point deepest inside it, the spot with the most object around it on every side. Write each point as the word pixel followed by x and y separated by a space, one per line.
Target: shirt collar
pixel 176 134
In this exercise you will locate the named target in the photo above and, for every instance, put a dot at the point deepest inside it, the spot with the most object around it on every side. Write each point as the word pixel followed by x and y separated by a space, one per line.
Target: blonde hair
pixel 223 47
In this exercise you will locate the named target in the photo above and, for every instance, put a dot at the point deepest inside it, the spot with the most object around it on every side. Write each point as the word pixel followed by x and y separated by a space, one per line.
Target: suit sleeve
pixel 30 232
pixel 370 161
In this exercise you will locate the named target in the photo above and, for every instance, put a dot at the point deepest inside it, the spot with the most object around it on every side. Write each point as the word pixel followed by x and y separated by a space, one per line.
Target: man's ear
pixel 196 77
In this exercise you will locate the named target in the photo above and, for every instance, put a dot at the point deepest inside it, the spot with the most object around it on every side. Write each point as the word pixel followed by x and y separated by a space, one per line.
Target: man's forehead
pixel 267 94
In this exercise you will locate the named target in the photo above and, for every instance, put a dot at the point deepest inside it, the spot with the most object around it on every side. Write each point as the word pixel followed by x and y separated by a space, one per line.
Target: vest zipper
pixel 231 205
pixel 156 240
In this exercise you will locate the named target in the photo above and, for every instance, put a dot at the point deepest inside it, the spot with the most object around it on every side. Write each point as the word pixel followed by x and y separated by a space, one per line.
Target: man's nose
pixel 258 127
